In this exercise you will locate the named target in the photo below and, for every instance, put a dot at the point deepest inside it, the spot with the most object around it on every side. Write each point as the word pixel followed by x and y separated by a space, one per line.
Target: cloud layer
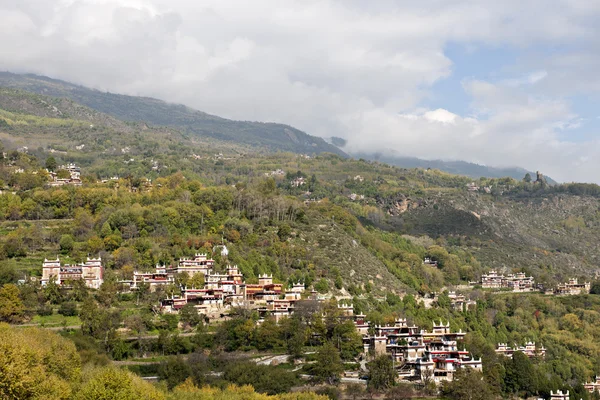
pixel 352 69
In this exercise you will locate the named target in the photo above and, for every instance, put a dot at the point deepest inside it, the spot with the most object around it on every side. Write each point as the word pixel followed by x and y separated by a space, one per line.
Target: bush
pixel 68 309
pixel 45 310
pixel 331 392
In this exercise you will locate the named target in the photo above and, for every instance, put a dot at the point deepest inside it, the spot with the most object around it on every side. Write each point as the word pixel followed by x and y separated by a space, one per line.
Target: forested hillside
pixel 355 231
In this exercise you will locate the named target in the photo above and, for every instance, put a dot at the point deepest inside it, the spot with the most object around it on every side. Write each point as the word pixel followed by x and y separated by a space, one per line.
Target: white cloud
pixel 353 69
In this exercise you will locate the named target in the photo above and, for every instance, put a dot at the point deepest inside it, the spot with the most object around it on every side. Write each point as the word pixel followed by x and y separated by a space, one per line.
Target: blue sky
pixel 501 83
pixel 469 62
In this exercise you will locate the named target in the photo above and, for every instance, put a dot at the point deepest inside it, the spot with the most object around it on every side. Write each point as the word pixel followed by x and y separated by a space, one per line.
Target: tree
pixel 347 339
pixel 328 366
pixel 520 375
pixel 188 315
pixel 52 292
pixel 79 290
pixel 595 289
pixel 467 384
pixel 174 370
pixel 36 363
pixel 11 306
pixel 264 378
pixel 196 281
pixel 284 231
pixel 68 309
pixel 106 230
pixel 66 243
pixel 382 374
pixel 322 286
pixel 527 178
pixel 116 384
pixel 63 174
pixel 51 164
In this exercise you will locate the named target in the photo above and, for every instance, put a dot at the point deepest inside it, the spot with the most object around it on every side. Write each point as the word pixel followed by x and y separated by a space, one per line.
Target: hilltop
pixel 266 136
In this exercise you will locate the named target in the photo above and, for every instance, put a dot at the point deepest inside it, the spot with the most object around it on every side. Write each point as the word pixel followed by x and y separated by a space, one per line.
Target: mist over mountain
pixel 268 136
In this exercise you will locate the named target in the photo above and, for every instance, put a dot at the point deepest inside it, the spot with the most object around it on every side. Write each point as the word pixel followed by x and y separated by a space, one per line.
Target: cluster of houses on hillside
pixel 572 287
pixel 518 282
pixel 277 172
pixel 530 350
pixel 418 355
pixel 593 386
pixel 220 291
pixel 73 179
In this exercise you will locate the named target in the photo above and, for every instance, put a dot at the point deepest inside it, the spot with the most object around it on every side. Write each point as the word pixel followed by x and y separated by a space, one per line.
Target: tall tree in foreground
pixel 11 307
pixel 36 364
pixel 329 364
pixel 382 374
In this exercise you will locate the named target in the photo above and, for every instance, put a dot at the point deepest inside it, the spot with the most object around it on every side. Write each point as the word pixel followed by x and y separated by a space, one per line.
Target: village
pixel 419 355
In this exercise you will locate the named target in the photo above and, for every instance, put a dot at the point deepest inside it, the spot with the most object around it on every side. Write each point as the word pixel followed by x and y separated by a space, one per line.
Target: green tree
pixel 527 178
pixel 284 231
pixel 51 164
pixel 264 378
pixel 174 370
pixel 189 316
pixel 106 230
pixel 196 281
pixel 52 292
pixel 403 391
pixel 68 309
pixel 467 384
pixel 322 286
pixel 382 374
pixel 354 391
pixel 328 366
pixel 66 243
pixel 520 375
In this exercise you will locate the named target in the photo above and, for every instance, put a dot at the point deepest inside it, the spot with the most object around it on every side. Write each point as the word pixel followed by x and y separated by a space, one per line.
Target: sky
pixel 499 83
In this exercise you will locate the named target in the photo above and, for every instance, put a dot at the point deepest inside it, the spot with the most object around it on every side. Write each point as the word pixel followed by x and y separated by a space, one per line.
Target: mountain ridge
pixel 458 167
pixel 270 136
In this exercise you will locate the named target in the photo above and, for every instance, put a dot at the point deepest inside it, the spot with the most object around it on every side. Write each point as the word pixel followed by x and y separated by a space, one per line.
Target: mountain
pixel 257 135
pixel 454 167
pixel 266 136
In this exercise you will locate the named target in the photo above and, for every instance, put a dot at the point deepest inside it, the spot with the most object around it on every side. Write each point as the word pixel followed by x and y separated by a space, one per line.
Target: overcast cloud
pixel 352 69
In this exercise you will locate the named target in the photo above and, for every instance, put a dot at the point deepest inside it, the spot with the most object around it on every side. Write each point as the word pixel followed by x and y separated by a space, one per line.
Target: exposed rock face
pixel 399 204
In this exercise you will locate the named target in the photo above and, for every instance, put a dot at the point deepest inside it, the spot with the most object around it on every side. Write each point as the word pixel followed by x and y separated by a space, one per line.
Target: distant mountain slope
pixel 454 167
pixel 270 136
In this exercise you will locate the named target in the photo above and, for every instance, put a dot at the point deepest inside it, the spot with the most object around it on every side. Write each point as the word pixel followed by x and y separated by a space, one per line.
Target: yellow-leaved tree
pixel 188 391
pixel 36 364
pixel 111 383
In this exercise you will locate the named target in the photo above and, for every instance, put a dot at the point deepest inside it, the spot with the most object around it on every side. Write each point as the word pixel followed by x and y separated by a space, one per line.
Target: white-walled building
pixel 91 271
